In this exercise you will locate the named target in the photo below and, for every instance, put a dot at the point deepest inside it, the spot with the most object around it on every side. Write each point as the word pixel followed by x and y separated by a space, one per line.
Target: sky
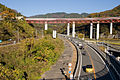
pixel 36 7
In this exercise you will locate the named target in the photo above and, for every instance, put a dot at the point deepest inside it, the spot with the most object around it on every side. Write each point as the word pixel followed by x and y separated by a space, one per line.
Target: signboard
pixel 54 34
pixel 69 64
pixel 69 72
pixel 70 68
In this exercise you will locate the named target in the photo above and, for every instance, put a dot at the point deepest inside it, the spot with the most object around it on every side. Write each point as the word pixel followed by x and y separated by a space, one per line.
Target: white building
pixel 19 17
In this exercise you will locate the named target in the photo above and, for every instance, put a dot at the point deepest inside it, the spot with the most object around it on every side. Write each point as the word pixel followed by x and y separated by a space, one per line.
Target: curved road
pixel 91 57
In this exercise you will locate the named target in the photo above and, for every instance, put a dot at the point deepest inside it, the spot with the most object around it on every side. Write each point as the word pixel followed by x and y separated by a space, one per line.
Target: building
pixel 20 17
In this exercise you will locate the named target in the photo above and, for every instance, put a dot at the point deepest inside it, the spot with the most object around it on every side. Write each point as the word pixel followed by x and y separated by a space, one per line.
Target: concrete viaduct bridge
pixel 47 21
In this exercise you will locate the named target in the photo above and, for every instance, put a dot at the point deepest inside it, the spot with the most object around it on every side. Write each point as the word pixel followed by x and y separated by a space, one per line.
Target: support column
pixel 91 30
pixel 46 26
pixel 68 29
pixel 111 26
pixel 73 30
pixel 98 26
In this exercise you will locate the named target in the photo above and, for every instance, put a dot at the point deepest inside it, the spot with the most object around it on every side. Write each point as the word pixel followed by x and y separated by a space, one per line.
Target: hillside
pixel 61 15
pixel 7 12
pixel 30 59
pixel 10 26
pixel 115 12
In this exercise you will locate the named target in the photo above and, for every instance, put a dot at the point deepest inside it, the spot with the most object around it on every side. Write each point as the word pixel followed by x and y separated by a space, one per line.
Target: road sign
pixel 69 64
pixel 70 68
pixel 69 72
pixel 54 34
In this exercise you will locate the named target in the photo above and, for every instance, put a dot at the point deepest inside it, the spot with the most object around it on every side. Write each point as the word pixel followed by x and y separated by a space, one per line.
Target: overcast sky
pixel 35 7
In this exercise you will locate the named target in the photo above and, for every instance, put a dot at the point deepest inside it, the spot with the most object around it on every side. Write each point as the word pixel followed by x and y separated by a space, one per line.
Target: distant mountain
pixel 61 15
pixel 115 12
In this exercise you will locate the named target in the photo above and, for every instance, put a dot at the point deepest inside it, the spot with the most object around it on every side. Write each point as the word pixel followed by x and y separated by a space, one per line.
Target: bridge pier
pixel 73 30
pixel 91 30
pixel 68 29
pixel 46 26
pixel 111 26
pixel 98 26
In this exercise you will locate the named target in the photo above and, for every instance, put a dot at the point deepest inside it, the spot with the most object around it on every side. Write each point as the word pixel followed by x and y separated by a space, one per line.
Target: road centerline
pixel 91 61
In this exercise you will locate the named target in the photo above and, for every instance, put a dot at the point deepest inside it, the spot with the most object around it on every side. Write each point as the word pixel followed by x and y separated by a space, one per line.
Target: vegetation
pixel 115 12
pixel 10 29
pixel 80 35
pixel 28 60
pixel 102 48
pixel 8 13
pixel 61 15
pixel 10 26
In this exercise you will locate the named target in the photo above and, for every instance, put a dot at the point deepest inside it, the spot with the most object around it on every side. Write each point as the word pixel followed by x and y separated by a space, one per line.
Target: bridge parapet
pixel 76 20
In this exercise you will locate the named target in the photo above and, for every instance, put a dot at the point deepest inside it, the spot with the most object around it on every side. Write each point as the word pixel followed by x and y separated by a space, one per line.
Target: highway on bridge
pixel 90 57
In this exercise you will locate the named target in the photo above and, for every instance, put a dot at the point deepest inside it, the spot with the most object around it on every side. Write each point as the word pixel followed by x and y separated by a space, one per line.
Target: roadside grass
pixel 102 48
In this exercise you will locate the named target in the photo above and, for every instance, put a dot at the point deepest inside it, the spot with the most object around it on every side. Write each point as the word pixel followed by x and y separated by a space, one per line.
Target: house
pixel 20 17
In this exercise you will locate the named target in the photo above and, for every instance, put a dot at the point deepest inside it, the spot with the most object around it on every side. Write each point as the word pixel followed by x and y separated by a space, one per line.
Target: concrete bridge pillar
pixel 73 30
pixel 46 26
pixel 91 30
pixel 68 29
pixel 98 26
pixel 111 26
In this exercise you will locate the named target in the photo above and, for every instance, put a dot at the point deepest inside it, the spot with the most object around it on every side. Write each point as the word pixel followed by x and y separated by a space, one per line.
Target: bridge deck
pixel 76 20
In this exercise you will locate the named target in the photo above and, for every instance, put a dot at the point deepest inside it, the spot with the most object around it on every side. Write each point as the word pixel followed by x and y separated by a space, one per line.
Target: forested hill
pixel 4 9
pixel 61 15
pixel 115 12
pixel 10 26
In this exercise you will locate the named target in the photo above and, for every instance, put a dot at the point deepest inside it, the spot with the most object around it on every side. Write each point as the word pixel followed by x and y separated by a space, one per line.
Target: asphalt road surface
pixel 91 57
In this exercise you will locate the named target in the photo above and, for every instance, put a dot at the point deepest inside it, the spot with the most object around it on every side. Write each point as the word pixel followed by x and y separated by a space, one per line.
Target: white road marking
pixel 79 63
pixel 80 66
pixel 102 61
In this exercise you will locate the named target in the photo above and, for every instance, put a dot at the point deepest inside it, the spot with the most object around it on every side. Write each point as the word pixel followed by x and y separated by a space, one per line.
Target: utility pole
pixel 18 34
pixel 36 33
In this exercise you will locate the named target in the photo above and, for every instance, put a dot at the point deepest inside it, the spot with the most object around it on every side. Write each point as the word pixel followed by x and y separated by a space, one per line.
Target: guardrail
pixel 77 62
pixel 112 63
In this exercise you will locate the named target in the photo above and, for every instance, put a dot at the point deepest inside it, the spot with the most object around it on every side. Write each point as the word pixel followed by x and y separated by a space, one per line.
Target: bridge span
pixel 72 21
